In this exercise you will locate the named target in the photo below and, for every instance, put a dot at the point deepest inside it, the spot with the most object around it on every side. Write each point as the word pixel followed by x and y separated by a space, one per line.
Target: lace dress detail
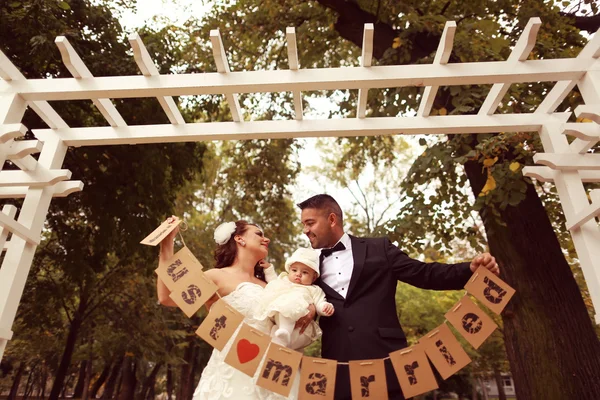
pixel 220 380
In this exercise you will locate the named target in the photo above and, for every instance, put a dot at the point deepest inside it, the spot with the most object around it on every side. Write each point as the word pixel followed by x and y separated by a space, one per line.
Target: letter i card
pixel 413 371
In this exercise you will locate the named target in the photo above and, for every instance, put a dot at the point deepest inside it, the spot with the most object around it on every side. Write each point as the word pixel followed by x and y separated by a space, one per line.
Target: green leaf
pixel 64 5
pixel 423 142
pixel 15 4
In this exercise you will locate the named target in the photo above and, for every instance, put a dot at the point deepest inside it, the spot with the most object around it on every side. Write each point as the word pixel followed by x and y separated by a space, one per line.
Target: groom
pixel 359 276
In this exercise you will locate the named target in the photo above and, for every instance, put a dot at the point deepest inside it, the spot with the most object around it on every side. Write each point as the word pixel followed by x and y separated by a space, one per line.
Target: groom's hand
pixel 303 322
pixel 487 261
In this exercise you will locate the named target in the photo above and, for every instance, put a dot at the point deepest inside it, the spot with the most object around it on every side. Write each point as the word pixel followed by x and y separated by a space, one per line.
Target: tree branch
pixel 590 23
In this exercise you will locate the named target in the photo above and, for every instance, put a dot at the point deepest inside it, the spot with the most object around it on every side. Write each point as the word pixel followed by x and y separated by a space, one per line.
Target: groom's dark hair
pixel 323 202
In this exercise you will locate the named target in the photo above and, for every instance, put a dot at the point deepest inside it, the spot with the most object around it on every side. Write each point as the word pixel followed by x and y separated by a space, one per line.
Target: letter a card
pixel 367 379
pixel 279 369
pixel 161 232
pixel 317 379
pixel 247 350
pixel 444 351
pixel 472 322
pixel 220 324
pixel 182 263
pixel 192 291
pixel 490 290
pixel 413 371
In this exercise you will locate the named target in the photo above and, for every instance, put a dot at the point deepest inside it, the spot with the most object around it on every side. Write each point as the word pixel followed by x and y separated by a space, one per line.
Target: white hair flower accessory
pixel 223 232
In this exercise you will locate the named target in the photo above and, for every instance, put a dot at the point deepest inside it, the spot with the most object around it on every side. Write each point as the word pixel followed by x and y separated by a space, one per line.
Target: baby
pixel 286 298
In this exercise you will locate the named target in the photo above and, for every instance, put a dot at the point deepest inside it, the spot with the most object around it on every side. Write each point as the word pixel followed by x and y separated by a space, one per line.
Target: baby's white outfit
pixel 286 302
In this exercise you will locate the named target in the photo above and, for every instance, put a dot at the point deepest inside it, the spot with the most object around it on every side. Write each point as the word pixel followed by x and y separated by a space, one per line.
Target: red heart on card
pixel 247 351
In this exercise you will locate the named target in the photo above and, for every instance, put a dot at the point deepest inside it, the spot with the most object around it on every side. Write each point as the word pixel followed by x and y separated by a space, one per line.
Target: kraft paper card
pixel 161 232
pixel 367 379
pixel 444 351
pixel 413 371
pixel 247 350
pixel 490 290
pixel 317 379
pixel 220 324
pixel 192 291
pixel 279 369
pixel 174 269
pixel 472 322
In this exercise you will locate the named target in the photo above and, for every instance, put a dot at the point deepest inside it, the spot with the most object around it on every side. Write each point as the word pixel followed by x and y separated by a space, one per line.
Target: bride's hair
pixel 225 253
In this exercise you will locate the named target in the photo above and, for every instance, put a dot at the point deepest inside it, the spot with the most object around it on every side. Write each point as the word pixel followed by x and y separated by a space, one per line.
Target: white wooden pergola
pixel 568 165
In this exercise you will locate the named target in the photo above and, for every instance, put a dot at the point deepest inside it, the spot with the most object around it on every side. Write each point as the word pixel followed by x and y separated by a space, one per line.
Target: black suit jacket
pixel 365 324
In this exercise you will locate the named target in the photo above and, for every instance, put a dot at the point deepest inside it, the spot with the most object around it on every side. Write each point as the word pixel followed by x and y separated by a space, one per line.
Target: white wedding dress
pixel 220 380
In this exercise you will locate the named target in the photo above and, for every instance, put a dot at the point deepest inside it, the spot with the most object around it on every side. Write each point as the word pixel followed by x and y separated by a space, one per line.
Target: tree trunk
pixel 29 384
pixel 88 379
pixel 149 382
pixel 14 389
pixel 186 386
pixel 78 391
pixel 128 379
pixel 169 382
pixel 551 344
pixel 484 392
pixel 112 380
pixel 65 362
pixel 100 381
pixel 499 384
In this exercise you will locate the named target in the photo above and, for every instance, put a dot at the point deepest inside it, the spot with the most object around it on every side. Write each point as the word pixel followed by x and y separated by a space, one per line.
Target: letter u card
pixel 367 379
pixel 192 291
pixel 317 379
pixel 247 350
pixel 413 371
pixel 220 324
pixel 471 321
pixel 279 369
pixel 177 267
pixel 490 290
pixel 444 351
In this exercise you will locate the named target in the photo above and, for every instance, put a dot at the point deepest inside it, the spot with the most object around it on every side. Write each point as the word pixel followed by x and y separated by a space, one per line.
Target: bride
pixel 239 275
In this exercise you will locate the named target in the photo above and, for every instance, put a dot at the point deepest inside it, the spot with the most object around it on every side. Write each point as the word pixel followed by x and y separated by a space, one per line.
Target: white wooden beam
pixel 589 111
pixel 9 132
pixel 292 49
pixel 79 70
pixel 60 189
pixel 519 53
pixel 147 67
pixel 302 80
pixel 5 334
pixel 11 212
pixel 547 174
pixel 22 148
pixel 454 124
pixel 365 61
pixel 583 131
pixel 17 229
pixel 39 178
pixel 568 161
pixel 591 212
pixel 442 55
pixel 223 68
pixel 558 93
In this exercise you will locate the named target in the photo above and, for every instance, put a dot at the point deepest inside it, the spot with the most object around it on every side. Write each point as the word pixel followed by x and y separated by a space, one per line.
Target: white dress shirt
pixel 336 269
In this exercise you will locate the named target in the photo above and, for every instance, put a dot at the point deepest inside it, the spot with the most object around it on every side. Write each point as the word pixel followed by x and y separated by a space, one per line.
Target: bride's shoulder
pixel 215 274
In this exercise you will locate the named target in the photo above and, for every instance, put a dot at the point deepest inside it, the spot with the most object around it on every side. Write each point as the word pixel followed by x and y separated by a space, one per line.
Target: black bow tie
pixel 327 252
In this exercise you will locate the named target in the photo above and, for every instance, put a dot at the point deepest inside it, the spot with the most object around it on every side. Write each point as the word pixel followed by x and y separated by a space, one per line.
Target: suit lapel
pixel 359 252
pixel 329 292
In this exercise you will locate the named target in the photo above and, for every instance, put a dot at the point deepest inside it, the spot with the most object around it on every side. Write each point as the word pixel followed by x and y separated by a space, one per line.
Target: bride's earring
pixel 243 243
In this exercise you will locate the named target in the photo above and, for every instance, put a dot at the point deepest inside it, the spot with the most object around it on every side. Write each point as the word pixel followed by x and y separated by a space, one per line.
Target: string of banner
pixel 190 289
